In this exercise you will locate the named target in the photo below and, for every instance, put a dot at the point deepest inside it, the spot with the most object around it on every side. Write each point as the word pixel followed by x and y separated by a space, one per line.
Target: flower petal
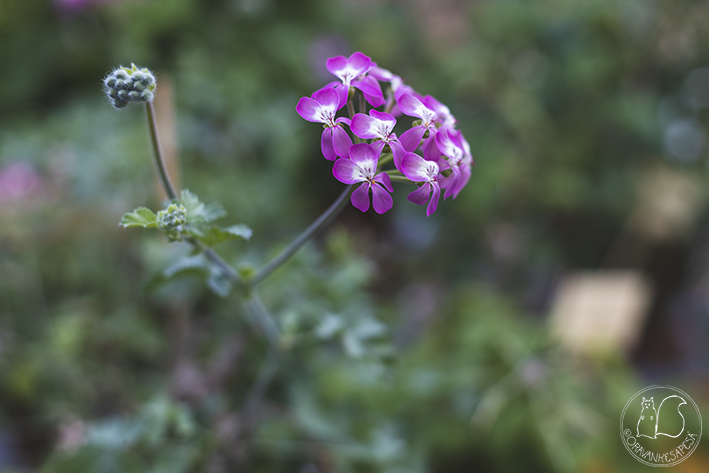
pixel 372 91
pixel 360 197
pixel 364 126
pixel 430 148
pixel 336 64
pixel 411 139
pixel 346 171
pixel 411 106
pixel 384 179
pixel 415 168
pixel 309 109
pixel 326 145
pixel 420 195
pixel 341 142
pixel 381 199
pixel 327 97
pixel 433 203
pixel 399 152
pixel 365 157
pixel 358 63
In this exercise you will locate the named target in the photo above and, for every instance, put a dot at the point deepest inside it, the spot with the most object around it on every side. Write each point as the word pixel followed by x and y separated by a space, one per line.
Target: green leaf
pixel 197 211
pixel 190 266
pixel 140 217
pixel 214 235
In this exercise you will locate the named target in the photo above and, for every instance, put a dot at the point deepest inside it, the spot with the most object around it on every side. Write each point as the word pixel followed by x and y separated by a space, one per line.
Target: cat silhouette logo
pixel 649 422
pixel 664 435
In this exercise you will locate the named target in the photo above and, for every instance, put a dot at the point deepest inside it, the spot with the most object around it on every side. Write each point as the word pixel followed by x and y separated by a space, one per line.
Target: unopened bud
pixel 129 85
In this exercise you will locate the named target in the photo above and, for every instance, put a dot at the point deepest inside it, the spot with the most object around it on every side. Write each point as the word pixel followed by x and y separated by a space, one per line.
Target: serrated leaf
pixel 214 235
pixel 140 217
pixel 197 211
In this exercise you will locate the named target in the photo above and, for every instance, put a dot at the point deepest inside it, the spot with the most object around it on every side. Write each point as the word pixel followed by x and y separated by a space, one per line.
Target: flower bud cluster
pixel 129 84
pixel 431 153
pixel 171 220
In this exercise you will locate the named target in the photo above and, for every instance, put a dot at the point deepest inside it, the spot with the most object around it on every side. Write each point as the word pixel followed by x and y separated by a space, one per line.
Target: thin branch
pixel 309 232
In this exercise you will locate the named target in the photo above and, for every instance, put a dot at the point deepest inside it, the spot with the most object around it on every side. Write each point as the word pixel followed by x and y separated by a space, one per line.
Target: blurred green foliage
pixel 410 344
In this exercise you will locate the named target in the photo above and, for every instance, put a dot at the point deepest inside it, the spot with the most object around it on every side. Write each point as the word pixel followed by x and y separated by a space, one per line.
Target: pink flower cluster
pixel 432 154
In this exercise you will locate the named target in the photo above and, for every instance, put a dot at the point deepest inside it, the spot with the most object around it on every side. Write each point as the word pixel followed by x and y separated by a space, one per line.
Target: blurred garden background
pixel 505 333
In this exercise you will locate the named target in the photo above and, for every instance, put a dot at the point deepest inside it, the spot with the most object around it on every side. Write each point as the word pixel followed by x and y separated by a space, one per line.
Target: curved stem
pixel 309 232
pixel 226 269
pixel 157 151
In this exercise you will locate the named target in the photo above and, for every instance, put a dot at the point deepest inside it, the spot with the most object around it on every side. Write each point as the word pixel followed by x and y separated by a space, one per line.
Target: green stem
pixel 385 159
pixel 262 319
pixel 226 269
pixel 399 178
pixel 309 232
pixel 157 151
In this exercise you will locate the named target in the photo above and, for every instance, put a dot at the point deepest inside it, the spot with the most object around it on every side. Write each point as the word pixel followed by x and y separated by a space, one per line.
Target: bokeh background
pixel 505 333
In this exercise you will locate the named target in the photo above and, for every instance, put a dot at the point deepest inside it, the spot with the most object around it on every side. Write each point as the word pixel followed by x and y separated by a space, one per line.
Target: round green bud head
pixel 125 85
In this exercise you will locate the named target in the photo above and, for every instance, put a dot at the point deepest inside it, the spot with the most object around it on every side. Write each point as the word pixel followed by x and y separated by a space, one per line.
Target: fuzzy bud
pixel 129 85
pixel 170 221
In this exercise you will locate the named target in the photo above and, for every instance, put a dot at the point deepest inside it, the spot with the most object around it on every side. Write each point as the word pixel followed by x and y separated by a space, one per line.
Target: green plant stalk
pixel 301 239
pixel 157 152
pixel 226 269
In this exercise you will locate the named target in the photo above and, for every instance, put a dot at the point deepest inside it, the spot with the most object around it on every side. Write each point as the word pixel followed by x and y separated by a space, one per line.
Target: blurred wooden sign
pixel 600 311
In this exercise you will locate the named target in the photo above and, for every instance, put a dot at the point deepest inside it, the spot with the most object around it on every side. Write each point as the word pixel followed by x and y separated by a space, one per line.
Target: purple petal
pixel 327 97
pixel 381 74
pixel 342 93
pixel 385 117
pixel 450 184
pixel 372 91
pixel 341 142
pixel 346 171
pixel 364 156
pixel 359 63
pixel 360 197
pixel 384 179
pixel 336 64
pixel 420 195
pixel 382 199
pixel 378 146
pixel 462 181
pixel 363 126
pixel 309 109
pixel 399 152
pixel 430 148
pixel 411 139
pixel 414 167
pixel 433 204
pixel 326 145
pixel 411 106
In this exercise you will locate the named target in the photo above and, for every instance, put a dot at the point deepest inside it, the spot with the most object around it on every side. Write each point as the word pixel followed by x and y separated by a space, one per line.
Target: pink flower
pixel 351 71
pixel 19 182
pixel 322 108
pixel 456 152
pixel 411 139
pixel 361 167
pixel 418 169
